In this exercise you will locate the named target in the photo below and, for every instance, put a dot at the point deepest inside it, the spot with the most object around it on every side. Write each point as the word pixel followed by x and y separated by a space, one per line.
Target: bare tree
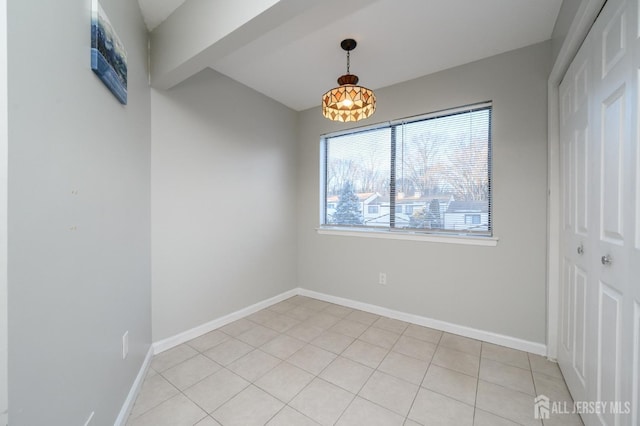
pixel 371 177
pixel 467 173
pixel 422 165
pixel 340 171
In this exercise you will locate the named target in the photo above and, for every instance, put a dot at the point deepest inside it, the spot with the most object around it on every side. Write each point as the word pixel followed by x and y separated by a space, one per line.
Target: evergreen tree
pixel 434 213
pixel 418 218
pixel 427 218
pixel 348 208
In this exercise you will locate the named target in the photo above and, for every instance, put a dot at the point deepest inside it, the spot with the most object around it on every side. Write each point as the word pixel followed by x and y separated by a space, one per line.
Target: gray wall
pixel 499 289
pixel 223 201
pixel 72 294
pixel 4 148
pixel 567 12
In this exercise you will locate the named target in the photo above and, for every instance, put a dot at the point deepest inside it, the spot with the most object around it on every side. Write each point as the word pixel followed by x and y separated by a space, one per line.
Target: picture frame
pixel 108 55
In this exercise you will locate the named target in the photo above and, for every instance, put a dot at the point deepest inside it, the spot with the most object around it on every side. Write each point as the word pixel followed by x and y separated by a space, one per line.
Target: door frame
pixel 580 26
pixel 4 152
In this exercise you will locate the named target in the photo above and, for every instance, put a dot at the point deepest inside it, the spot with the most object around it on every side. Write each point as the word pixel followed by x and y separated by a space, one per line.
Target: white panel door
pixel 633 219
pixel 614 110
pixel 599 348
pixel 577 222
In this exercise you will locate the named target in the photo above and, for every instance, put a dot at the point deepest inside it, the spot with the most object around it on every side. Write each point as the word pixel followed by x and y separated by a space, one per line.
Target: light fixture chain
pixel 348 60
pixel 348 101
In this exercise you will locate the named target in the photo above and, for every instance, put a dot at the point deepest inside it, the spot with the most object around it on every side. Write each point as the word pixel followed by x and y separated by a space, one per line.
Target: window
pixel 472 219
pixel 437 165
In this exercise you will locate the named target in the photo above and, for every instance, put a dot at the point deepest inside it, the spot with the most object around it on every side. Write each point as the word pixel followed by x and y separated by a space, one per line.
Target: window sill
pixel 412 236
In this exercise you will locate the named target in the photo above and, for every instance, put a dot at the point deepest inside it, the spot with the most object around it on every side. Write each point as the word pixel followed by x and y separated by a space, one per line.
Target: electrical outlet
pixel 382 279
pixel 125 344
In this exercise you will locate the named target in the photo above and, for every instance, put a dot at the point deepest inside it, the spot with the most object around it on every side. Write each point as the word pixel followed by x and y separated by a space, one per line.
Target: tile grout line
pixel 223 367
pixel 417 392
pixel 423 377
pixel 313 311
pixel 373 370
pixel 198 352
pixel 535 388
pixel 227 400
pixel 345 408
pixel 180 392
pixel 503 387
pixel 315 376
pixel 475 401
pixel 159 373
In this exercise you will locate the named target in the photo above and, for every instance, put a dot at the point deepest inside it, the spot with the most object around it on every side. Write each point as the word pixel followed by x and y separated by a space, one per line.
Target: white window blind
pixel 429 174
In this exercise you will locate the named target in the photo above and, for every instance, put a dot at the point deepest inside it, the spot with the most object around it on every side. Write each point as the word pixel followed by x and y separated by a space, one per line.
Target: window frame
pixel 456 237
pixel 472 217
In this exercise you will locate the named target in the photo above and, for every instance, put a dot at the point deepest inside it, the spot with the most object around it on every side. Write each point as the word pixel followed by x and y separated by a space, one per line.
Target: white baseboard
pixel 135 389
pixel 165 344
pixel 185 336
pixel 486 336
pixel 474 333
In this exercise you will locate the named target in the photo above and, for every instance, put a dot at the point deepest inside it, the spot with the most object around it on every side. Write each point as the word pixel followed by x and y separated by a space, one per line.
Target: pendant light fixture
pixel 348 102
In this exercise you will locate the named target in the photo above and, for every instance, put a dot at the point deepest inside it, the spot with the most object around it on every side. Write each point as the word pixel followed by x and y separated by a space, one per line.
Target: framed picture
pixel 108 56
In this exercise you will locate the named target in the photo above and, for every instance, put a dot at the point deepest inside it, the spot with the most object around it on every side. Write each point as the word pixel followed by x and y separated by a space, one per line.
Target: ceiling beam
pixel 200 32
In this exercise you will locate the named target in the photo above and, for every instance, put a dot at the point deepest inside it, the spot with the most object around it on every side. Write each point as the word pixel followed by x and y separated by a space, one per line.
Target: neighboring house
pixel 413 211
pixel 467 215
pixel 369 206
pixel 375 208
pixel 416 210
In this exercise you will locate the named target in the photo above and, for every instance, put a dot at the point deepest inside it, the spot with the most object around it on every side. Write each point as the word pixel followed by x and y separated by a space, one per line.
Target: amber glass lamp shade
pixel 348 101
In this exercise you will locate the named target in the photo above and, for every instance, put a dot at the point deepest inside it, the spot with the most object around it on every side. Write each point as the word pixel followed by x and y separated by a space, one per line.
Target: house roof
pixel 468 206
pixel 365 195
pixel 362 196
pixel 443 198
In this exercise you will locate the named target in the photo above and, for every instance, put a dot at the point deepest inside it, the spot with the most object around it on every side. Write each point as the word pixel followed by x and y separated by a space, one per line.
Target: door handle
pixel 606 260
pixel 580 249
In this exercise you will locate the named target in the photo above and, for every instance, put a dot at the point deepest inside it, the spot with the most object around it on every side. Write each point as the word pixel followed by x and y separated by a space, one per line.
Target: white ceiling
pixel 156 11
pixel 297 61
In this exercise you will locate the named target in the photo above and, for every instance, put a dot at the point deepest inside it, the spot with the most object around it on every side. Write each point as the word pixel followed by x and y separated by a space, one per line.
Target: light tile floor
pixel 307 362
